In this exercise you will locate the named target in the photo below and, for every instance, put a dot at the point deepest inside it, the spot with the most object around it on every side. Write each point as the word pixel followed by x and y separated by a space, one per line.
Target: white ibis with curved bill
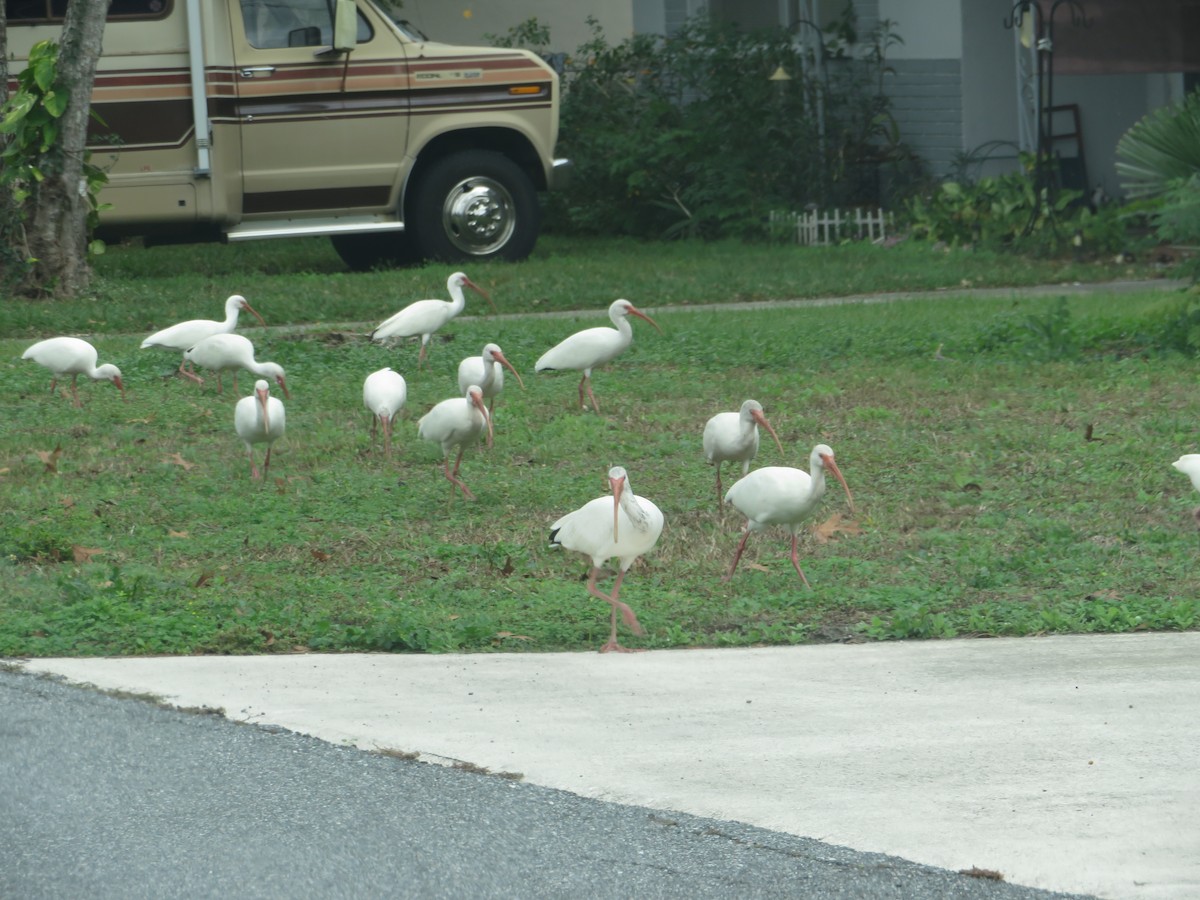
pixel 454 424
pixel 72 356
pixel 230 352
pixel 780 495
pixel 487 371
pixel 733 436
pixel 185 335
pixel 384 394
pixel 625 526
pixel 259 419
pixel 584 350
pixel 424 317
pixel 1189 465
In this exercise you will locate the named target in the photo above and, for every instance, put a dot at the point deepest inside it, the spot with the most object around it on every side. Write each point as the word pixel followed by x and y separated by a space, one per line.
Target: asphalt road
pixel 104 796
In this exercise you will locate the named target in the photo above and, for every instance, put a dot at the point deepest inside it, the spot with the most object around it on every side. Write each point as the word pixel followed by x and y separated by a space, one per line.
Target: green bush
pixel 688 136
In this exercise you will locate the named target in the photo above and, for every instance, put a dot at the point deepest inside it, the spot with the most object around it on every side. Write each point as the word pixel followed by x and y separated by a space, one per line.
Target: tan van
pixel 243 119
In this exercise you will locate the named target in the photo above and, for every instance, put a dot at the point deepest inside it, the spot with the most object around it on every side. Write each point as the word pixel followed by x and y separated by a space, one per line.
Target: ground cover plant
pixel 1009 455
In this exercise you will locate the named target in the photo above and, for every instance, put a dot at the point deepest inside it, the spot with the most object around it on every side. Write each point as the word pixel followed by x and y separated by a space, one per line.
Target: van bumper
pixel 561 171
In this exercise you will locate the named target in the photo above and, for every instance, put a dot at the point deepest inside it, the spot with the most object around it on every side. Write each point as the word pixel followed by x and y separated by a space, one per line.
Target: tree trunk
pixel 58 207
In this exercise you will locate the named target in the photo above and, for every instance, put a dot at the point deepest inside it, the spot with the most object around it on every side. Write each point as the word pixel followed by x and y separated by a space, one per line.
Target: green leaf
pixel 55 103
pixel 44 72
pixel 16 109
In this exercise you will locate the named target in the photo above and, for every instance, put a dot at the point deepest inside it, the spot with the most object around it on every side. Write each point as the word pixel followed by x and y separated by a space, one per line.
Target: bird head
pixel 109 372
pixel 618 480
pixel 262 391
pixel 237 301
pixel 625 308
pixel 823 455
pixel 274 371
pixel 461 280
pixel 497 355
pixel 475 396
pixel 756 413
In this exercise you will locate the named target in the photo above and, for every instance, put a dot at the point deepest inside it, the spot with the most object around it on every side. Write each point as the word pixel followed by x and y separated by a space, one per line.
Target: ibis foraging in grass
pixel 384 394
pixel 733 436
pixel 780 495
pixel 625 526
pixel 1189 465
pixel 584 350
pixel 226 352
pixel 487 371
pixel 259 419
pixel 72 356
pixel 424 317
pixel 185 335
pixel 454 424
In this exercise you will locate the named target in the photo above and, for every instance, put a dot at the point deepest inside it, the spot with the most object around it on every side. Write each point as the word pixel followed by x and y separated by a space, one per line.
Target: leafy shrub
pixel 688 136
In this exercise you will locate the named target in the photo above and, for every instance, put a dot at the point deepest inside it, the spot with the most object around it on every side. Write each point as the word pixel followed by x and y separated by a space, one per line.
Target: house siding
pixel 926 98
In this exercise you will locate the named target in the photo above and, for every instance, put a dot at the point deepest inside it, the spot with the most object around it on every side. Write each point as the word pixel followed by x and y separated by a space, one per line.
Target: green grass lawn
pixel 1017 482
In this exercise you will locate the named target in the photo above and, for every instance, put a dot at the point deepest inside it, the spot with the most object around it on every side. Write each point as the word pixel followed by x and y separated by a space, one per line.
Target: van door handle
pixel 257 71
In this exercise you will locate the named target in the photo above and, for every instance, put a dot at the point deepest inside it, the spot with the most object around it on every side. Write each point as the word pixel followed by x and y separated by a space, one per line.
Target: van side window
pixel 27 12
pixel 271 24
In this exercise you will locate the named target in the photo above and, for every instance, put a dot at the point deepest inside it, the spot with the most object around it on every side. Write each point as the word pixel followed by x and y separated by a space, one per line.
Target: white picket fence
pixel 817 228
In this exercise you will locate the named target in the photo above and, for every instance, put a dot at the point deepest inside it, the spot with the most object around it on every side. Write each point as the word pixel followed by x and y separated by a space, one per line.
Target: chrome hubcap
pixel 479 216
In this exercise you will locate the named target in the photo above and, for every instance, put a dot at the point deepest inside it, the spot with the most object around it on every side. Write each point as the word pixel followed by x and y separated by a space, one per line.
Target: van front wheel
pixel 474 205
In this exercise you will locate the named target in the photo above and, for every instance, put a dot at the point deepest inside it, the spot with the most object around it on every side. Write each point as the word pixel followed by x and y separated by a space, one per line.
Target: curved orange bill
pixel 618 485
pixel 499 357
pixel 250 309
pixel 120 386
pixel 762 420
pixel 262 401
pixel 642 315
pixel 832 467
pixel 477 400
pixel 467 282
pixel 283 387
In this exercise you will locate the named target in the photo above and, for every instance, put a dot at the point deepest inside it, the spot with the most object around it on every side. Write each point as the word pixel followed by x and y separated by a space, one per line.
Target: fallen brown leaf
pixel 319 555
pixel 84 554
pixel 171 532
pixel 834 524
pixel 176 460
pixel 66 502
pixel 205 578
pixel 50 458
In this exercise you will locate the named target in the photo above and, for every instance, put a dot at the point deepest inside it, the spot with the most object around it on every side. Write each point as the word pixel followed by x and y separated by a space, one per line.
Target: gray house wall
pixel 926 98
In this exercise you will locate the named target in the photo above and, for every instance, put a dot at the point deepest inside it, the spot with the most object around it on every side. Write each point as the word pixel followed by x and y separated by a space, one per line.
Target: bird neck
pixel 633 509
pixel 458 300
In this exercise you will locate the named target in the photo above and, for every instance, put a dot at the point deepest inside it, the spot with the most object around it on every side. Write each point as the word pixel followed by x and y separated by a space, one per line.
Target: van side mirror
pixel 345 26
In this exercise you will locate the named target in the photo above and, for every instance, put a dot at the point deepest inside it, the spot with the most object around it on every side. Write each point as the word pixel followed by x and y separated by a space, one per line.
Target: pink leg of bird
pixel 585 383
pixel 454 479
pixel 267 461
pixel 74 392
pixel 738 555
pixel 387 436
pixel 421 356
pixel 796 562
pixel 253 467
pixel 720 493
pixel 186 374
pixel 617 606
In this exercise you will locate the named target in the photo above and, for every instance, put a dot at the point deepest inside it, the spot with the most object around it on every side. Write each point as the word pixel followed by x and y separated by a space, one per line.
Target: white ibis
pixel 72 356
pixel 259 419
pixel 734 436
pixel 779 495
pixel 487 371
pixel 188 334
pixel 1189 465
pixel 457 422
pixel 424 317
pixel 225 352
pixel 384 394
pixel 584 350
pixel 625 526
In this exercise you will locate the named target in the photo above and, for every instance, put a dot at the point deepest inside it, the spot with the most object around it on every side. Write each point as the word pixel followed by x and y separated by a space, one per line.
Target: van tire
pixel 375 250
pixel 474 205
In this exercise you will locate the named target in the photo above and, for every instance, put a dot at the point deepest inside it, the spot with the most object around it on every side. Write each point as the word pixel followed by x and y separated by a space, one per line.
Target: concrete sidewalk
pixel 1066 763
